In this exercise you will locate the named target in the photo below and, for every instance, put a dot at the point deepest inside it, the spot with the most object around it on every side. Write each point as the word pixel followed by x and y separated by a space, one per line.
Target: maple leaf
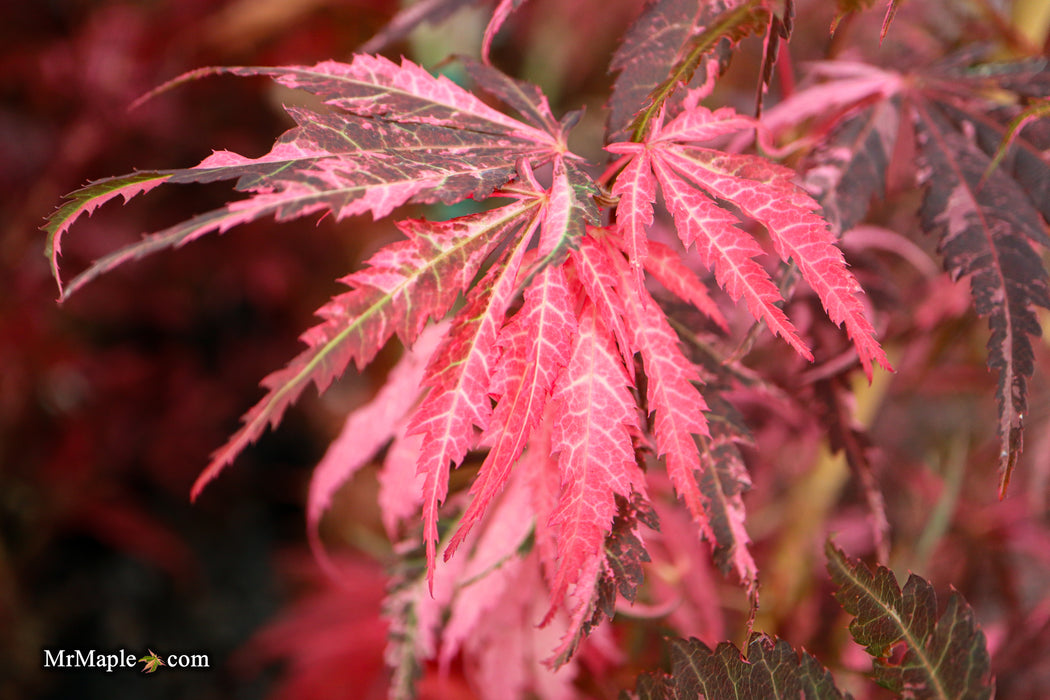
pixel 945 657
pixel 987 233
pixel 767 668
pixel 771 669
pixel 398 135
pixel 152 662
pixel 693 177
pixel 942 658
pixel 550 320
pixel 986 219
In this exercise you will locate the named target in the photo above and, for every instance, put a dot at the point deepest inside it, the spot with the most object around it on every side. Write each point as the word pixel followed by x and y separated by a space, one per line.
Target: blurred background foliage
pixel 111 403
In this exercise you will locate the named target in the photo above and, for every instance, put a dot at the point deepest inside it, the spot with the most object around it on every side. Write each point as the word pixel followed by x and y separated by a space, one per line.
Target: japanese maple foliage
pixel 943 656
pixel 537 339
pixel 989 215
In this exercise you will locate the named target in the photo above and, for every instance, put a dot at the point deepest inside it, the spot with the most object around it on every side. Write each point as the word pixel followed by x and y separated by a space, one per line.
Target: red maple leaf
pixel 547 316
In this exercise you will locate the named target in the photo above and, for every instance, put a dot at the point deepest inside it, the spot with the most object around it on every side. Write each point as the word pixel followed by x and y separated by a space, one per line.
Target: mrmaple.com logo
pixel 78 658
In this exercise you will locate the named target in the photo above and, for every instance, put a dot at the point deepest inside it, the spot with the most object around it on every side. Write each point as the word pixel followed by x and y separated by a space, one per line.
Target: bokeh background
pixel 111 403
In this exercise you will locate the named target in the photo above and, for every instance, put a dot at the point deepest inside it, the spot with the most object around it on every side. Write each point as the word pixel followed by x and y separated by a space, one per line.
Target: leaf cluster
pixel 542 328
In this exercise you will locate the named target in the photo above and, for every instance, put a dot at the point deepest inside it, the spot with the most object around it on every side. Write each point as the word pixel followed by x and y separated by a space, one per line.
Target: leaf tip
pixel 891 12
pixel 1008 457
pixel 175 82
pixel 220 459
pixel 200 482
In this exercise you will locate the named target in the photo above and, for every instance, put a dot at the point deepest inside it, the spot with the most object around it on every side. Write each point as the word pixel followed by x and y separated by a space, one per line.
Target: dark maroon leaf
pixel 723 483
pixel 848 169
pixel 675 43
pixel 771 669
pixel 988 219
pixel 986 230
pixel 944 657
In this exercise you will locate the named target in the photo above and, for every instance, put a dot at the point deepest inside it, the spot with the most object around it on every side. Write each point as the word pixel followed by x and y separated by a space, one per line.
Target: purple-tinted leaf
pixel 653 687
pixel 848 169
pixel 674 43
pixel 374 86
pixel 986 231
pixel 723 482
pixel 525 98
pixel 987 220
pixel 714 37
pixel 346 164
pixel 1018 142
